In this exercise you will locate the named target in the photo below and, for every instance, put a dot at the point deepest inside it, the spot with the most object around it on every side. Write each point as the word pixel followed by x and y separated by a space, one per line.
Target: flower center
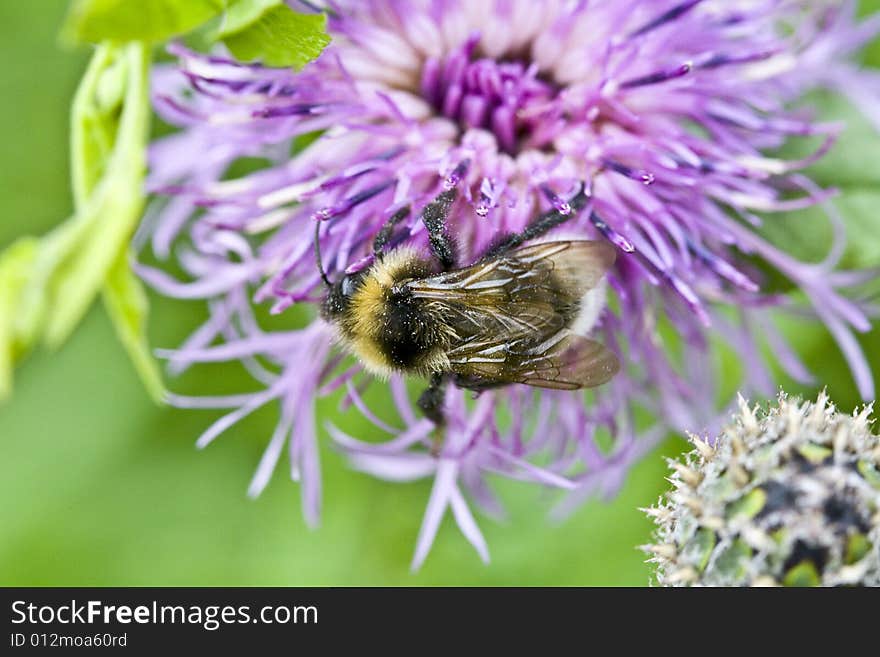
pixel 503 97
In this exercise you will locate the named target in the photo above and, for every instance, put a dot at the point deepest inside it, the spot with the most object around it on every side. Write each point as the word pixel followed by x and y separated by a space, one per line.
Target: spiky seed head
pixel 790 496
pixel 703 448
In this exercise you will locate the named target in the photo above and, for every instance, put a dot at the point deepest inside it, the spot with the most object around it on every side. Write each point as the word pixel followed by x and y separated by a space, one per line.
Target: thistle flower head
pixel 666 112
pixel 790 496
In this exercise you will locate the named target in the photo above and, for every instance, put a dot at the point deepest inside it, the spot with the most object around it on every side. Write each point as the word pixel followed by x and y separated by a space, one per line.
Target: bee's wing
pixel 511 315
pixel 568 362
pixel 533 291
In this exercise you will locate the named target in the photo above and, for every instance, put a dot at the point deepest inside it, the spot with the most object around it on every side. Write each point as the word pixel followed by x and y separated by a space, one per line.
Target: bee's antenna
pixel 318 254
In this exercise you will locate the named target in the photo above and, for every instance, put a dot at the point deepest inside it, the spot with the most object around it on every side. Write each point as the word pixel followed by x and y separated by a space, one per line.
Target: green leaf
pixel 52 250
pixel 242 14
pixel 119 105
pixel 78 278
pixel 93 122
pixel 51 282
pixel 807 234
pixel 272 33
pixel 15 266
pixel 95 21
pixel 848 163
pixel 126 302
pixel 115 203
pixel 859 209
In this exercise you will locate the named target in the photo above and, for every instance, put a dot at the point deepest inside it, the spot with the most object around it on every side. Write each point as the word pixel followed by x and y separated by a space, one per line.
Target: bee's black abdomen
pixel 408 334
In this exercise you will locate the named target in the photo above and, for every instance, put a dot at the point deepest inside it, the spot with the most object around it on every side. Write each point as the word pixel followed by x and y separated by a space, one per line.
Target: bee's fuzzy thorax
pixel 368 302
pixel 399 264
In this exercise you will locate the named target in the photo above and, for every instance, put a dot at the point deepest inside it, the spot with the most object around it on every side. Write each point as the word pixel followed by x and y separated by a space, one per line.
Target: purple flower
pixel 670 113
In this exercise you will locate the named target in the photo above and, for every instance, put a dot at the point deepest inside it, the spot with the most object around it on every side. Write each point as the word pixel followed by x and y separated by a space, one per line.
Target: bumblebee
pixel 517 315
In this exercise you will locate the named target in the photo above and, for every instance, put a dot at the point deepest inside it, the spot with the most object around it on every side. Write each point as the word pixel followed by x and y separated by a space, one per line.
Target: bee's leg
pixel 431 404
pixel 431 400
pixel 540 225
pixel 434 217
pixel 380 242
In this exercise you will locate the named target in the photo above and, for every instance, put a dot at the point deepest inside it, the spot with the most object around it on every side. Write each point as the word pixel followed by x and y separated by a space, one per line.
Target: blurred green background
pixel 101 487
